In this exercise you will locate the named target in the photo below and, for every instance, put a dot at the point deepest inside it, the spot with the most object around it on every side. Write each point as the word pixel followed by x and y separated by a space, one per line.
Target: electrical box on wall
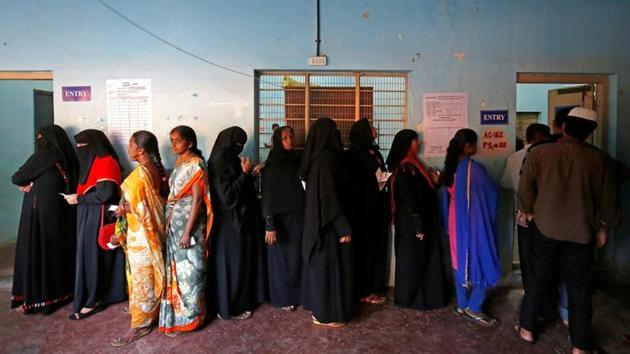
pixel 318 61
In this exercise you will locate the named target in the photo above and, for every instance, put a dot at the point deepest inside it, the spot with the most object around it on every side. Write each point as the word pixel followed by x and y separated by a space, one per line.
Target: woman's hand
pixel 27 188
pixel 122 210
pixel 600 238
pixel 258 169
pixel 420 235
pixel 345 239
pixel 246 164
pixel 115 240
pixel 71 199
pixel 184 242
pixel 270 237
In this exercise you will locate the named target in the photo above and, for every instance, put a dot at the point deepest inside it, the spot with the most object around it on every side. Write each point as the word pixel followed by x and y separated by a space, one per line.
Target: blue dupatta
pixel 476 201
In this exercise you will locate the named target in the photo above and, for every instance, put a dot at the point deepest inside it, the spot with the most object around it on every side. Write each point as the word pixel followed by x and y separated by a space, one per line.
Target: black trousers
pixel 548 308
pixel 575 262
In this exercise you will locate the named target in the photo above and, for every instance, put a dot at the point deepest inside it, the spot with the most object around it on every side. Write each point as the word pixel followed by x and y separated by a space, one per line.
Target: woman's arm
pixel 195 211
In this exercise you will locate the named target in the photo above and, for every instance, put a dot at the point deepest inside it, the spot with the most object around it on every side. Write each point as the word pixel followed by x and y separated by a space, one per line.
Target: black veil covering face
pixel 361 136
pixel 97 145
pixel 227 147
pixel 55 138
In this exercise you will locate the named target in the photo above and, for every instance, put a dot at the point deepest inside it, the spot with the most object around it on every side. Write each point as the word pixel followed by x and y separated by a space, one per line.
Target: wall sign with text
pixel 494 117
pixel 76 93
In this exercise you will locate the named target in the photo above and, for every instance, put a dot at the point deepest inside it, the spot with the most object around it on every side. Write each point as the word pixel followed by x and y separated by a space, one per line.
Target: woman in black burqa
pixel 420 277
pixel 236 261
pixel 100 275
pixel 45 250
pixel 283 208
pixel 370 215
pixel 327 282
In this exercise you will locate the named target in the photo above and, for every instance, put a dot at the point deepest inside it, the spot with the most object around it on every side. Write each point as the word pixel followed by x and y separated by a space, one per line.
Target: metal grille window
pixel 300 98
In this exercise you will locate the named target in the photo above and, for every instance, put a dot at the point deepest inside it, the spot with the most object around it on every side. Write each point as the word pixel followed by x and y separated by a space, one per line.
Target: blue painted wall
pixel 17 144
pixel 472 46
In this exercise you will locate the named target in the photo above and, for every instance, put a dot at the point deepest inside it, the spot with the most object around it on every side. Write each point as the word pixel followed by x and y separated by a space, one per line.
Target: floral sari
pixel 183 304
pixel 141 233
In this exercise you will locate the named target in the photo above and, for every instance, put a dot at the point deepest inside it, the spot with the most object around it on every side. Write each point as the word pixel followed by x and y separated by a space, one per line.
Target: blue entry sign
pixel 494 117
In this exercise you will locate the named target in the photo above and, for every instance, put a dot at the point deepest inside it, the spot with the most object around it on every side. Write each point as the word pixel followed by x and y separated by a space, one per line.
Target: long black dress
pixel 283 207
pixel 236 262
pixel 44 257
pixel 327 282
pixel 420 277
pixel 370 215
pixel 100 275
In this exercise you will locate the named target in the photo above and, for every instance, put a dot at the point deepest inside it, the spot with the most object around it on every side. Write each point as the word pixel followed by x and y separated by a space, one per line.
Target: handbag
pixel 106 232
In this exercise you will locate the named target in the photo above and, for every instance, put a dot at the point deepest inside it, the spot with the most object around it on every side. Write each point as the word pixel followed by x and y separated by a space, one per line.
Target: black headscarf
pixel 55 138
pixel 400 147
pixel 281 186
pixel 361 136
pixel 227 147
pixel 322 135
pixel 97 145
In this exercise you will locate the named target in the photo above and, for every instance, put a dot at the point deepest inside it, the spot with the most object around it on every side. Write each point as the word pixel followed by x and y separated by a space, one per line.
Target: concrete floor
pixel 385 328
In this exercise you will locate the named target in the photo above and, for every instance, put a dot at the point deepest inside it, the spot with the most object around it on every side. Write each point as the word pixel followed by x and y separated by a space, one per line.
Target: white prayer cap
pixel 583 113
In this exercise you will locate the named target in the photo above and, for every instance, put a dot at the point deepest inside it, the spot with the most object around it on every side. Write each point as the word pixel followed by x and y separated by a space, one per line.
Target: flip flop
pixel 329 324
pixel 243 316
pixel 122 341
pixel 481 319
pixel 517 329
pixel 80 316
pixel 458 311
pixel 289 308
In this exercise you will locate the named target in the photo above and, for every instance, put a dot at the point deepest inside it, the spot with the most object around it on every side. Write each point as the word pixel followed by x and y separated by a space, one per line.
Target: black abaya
pixel 370 215
pixel 283 207
pixel 420 277
pixel 327 282
pixel 100 275
pixel 237 263
pixel 44 257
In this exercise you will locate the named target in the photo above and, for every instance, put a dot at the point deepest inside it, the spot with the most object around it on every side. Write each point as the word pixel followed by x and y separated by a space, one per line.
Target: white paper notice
pixel 128 108
pixel 443 115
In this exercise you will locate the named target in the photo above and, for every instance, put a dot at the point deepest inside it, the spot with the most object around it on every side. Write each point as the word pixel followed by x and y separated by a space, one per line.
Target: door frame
pixel 600 99
pixel 26 75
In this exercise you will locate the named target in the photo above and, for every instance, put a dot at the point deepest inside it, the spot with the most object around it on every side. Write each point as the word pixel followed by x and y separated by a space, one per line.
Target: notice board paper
pixel 128 108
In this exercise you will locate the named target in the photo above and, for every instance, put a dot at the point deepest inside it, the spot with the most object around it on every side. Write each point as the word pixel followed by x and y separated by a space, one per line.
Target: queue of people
pixel 198 243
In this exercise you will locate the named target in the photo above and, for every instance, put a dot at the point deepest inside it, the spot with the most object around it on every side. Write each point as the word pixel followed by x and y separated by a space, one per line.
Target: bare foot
pixel 132 335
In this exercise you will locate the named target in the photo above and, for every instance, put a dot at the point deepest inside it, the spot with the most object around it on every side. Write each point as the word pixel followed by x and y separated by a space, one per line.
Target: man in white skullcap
pixel 568 192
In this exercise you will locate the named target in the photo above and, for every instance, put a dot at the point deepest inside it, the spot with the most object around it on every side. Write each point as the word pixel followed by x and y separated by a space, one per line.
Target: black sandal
pixel 80 316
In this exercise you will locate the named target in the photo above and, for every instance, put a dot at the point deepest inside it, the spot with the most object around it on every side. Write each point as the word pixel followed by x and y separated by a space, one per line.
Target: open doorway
pixel 540 96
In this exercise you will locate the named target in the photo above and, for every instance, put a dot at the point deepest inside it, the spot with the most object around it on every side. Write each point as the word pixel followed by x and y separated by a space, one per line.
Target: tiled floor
pixel 385 329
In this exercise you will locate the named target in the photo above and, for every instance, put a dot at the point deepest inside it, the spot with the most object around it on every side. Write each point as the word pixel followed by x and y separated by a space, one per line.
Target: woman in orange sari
pixel 188 221
pixel 141 233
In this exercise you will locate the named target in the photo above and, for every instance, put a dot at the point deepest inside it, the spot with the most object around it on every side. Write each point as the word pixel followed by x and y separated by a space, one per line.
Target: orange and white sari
pixel 143 242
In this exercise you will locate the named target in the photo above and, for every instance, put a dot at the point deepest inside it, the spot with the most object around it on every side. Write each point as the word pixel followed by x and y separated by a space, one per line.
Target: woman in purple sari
pixel 470 209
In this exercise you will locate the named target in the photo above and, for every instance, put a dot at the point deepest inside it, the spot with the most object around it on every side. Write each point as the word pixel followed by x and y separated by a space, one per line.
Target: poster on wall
pixel 128 108
pixel 76 93
pixel 443 114
pixel 494 141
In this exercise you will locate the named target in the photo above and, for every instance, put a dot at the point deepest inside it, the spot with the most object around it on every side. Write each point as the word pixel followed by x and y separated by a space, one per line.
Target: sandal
pixel 289 308
pixel 122 341
pixel 458 311
pixel 174 334
pixel 329 324
pixel 245 315
pixel 481 318
pixel 517 329
pixel 126 310
pixel 377 300
pixel 80 316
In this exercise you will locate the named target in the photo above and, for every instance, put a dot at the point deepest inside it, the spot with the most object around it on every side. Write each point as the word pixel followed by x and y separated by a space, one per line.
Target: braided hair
pixel 454 151
pixel 148 142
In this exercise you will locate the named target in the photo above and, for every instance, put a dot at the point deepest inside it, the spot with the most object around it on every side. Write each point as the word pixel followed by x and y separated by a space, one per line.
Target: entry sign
pixel 494 117
pixel 76 93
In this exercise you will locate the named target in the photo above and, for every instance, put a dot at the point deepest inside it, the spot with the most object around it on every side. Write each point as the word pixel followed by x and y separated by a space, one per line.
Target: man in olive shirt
pixel 568 192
